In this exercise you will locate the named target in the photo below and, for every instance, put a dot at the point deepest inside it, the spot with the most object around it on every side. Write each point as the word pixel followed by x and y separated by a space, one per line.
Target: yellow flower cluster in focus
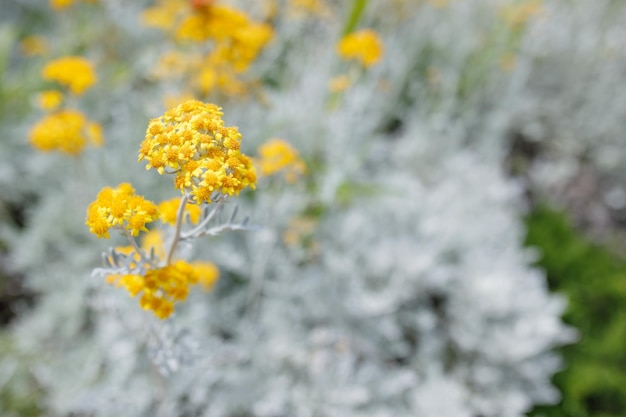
pixel 120 208
pixel 67 131
pixel 73 72
pixel 364 46
pixel 277 155
pixel 192 142
pixel 161 288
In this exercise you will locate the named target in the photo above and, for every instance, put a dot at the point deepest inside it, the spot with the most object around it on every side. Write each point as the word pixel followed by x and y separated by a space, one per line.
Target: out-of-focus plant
pixel 594 280
pixel 64 129
pixel 213 45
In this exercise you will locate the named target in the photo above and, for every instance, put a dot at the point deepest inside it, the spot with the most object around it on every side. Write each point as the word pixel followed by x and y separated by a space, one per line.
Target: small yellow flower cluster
pixel 73 72
pixel 277 155
pixel 364 46
pixel 191 141
pixel 120 208
pixel 50 100
pixel 161 288
pixel 237 41
pixel 168 211
pixel 67 131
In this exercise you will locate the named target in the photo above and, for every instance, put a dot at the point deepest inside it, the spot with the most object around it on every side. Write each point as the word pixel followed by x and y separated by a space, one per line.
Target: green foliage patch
pixel 593 279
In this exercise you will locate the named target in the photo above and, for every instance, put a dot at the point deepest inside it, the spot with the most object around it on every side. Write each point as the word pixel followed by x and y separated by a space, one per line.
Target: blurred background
pixel 441 208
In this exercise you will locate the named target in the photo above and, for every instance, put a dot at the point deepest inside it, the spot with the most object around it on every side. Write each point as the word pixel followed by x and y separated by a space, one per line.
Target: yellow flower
pixel 67 131
pixel 169 209
pixel 215 22
pixel 277 155
pixel 50 99
pixel 192 142
pixel 161 288
pixel 120 208
pixel 364 46
pixel 73 72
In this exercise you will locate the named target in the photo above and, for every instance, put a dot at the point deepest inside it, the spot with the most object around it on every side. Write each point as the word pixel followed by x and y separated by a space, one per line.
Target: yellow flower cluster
pixel 192 142
pixel 161 288
pixel 120 208
pixel 277 155
pixel 67 131
pixel 237 41
pixel 73 72
pixel 364 46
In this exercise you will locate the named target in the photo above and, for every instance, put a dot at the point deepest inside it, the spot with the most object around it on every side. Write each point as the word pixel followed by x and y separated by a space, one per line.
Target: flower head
pixel 120 208
pixel 192 142
pixel 364 46
pixel 50 99
pixel 161 288
pixel 67 131
pixel 277 155
pixel 73 72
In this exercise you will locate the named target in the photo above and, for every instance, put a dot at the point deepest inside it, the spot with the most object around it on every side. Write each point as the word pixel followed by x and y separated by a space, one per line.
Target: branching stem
pixel 180 214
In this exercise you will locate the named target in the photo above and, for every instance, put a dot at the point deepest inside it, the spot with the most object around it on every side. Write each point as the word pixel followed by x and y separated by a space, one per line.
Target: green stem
pixel 179 224
pixel 358 6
